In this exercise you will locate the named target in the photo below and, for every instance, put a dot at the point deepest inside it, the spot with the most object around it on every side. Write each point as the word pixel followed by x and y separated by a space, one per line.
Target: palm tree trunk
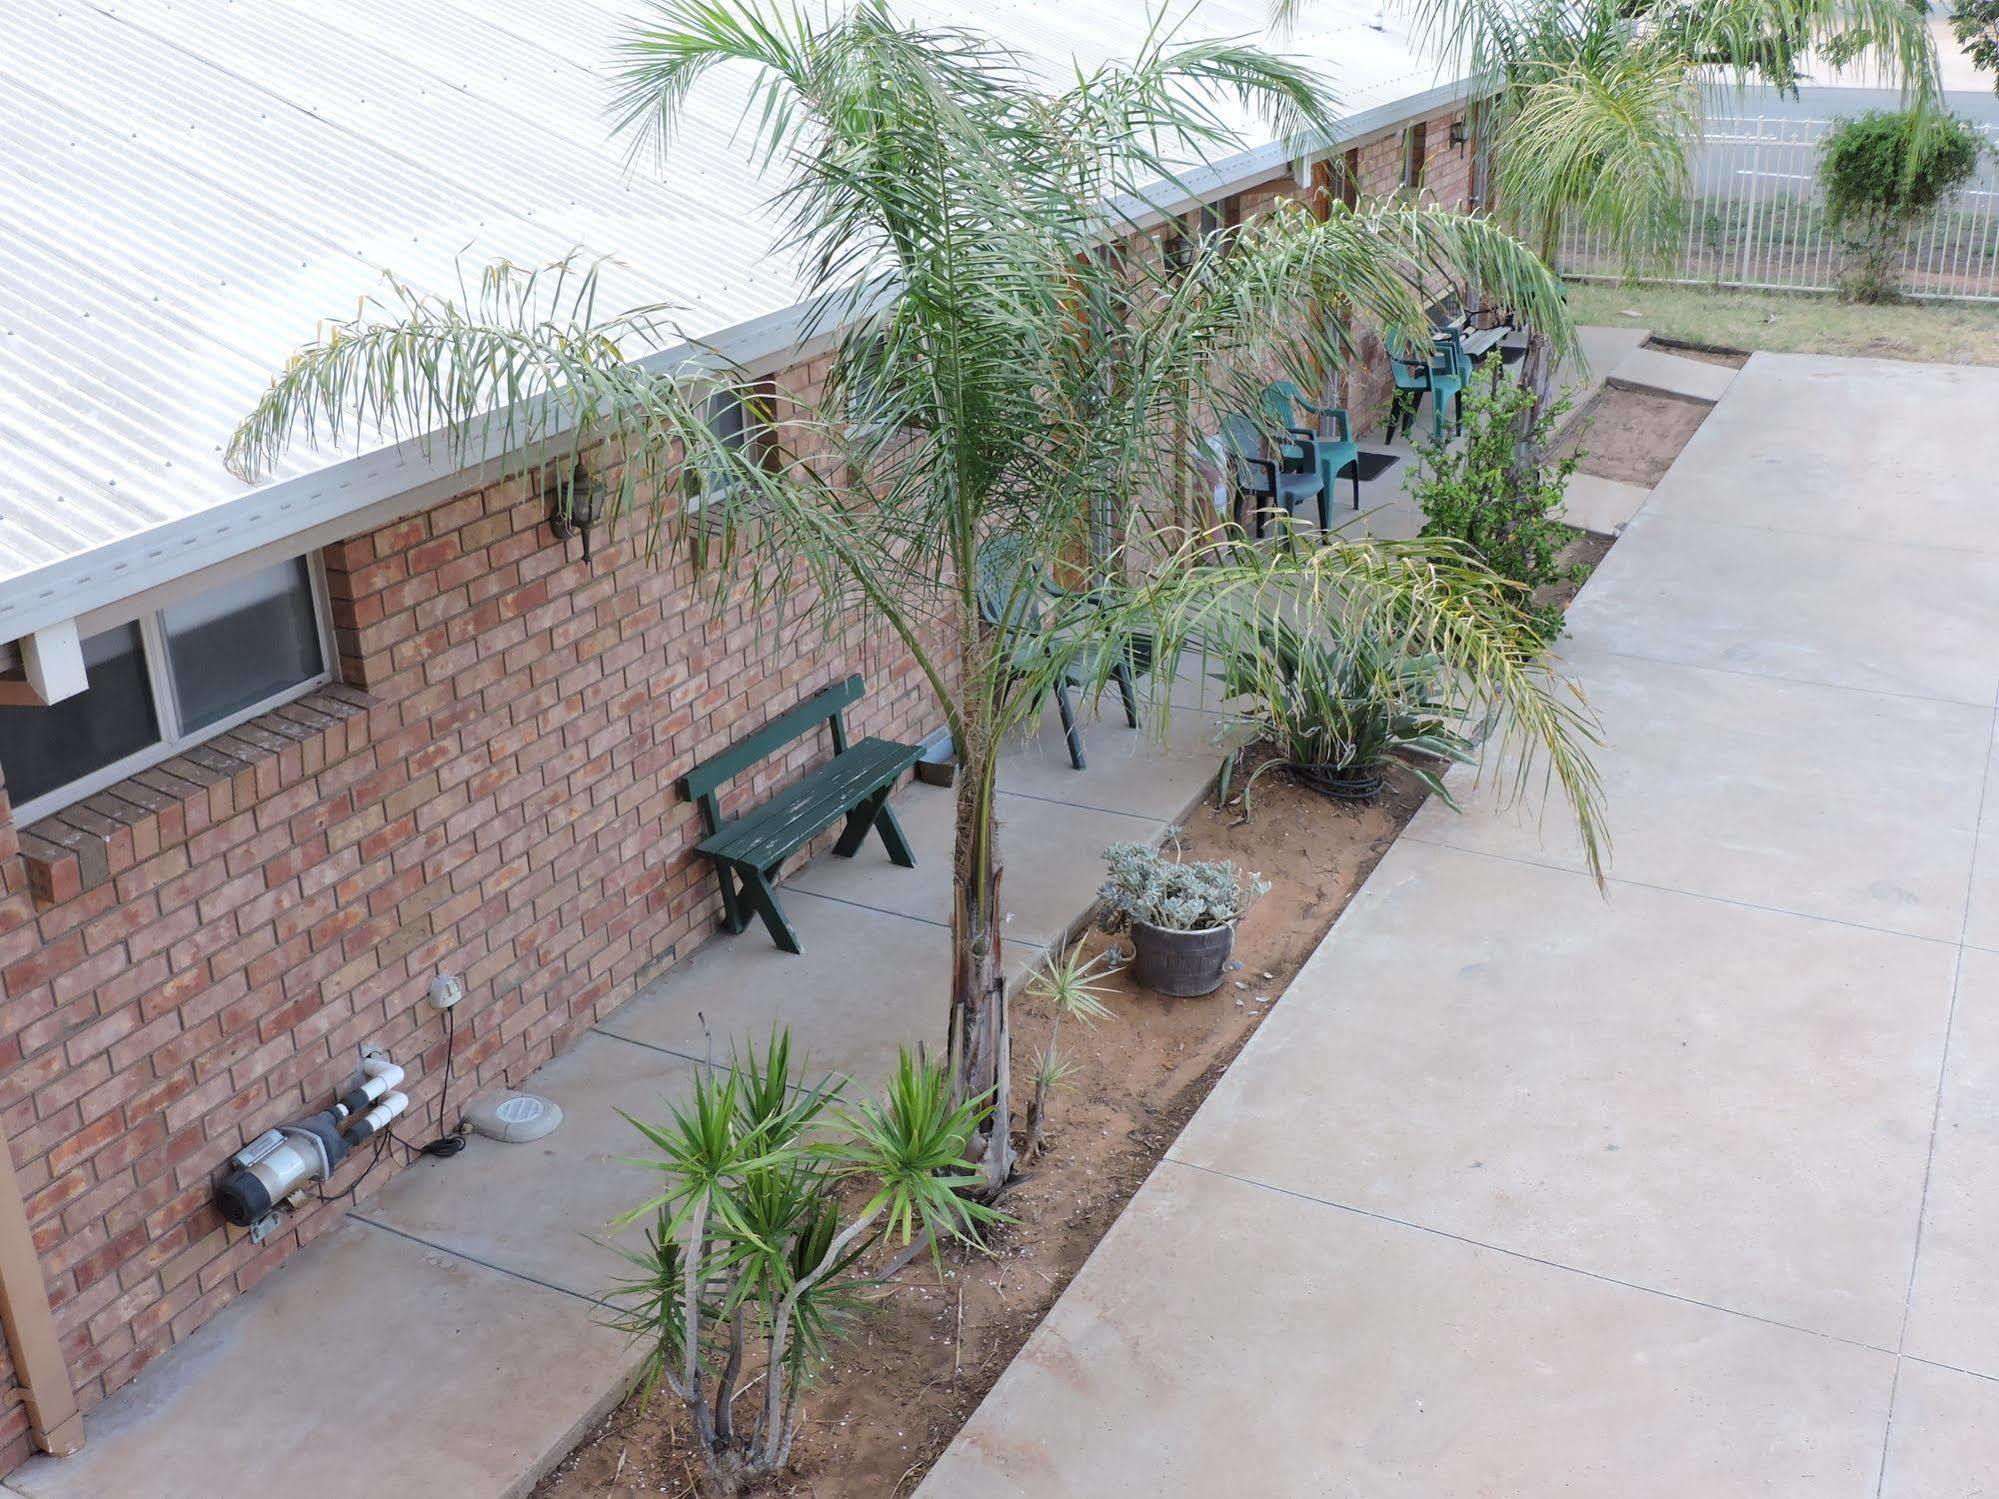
pixel 981 1044
pixel 1537 370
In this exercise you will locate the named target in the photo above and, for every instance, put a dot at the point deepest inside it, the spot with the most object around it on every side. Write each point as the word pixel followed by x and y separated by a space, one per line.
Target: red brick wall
pixel 491 793
pixel 195 955
pixel 1368 386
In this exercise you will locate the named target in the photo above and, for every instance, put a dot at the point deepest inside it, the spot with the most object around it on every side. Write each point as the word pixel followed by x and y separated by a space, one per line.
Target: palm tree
pixel 1004 374
pixel 1599 101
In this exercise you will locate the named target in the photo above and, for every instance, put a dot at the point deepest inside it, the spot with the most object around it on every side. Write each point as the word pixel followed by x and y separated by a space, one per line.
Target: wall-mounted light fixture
pixel 1460 132
pixel 575 505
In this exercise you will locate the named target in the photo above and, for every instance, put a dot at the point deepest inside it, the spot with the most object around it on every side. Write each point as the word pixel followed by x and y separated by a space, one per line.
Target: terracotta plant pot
pixel 1184 964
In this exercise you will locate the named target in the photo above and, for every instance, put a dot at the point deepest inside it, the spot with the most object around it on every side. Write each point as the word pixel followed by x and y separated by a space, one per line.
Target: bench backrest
pixel 702 782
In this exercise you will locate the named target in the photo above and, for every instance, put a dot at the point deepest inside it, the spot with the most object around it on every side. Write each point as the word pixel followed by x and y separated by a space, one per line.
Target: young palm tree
pixel 1001 389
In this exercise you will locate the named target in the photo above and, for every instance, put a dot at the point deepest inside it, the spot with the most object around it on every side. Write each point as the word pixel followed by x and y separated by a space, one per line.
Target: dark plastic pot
pixel 1185 964
pixel 1340 785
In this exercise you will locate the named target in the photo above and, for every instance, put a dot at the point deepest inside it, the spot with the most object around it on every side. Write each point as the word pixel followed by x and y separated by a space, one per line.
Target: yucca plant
pixel 1073 986
pixel 1000 374
pixel 775 1191
pixel 1337 708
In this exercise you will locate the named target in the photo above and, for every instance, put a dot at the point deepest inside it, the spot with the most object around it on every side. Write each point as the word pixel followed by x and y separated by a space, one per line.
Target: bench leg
pixel 757 888
pixel 892 839
pixel 734 914
pixel 859 821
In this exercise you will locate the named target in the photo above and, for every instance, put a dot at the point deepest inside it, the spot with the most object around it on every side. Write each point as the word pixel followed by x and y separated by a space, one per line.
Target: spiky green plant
pixel 1073 986
pixel 1337 707
pixel 749 1253
pixel 1012 379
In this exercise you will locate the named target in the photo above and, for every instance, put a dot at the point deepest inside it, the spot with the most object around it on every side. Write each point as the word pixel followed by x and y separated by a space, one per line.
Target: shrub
pixel 1884 173
pixel 750 1253
pixel 1150 885
pixel 1497 495
pixel 1339 707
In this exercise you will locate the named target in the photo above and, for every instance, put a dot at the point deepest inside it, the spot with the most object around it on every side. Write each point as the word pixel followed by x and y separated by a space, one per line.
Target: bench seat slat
pixel 797 814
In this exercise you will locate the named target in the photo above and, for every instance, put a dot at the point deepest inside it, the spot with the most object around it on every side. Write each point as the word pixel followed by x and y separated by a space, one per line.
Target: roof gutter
pixel 374 488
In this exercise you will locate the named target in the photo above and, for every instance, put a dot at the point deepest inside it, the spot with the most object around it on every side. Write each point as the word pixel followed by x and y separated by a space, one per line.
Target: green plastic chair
pixel 1337 453
pixel 1292 479
pixel 1012 584
pixel 1440 370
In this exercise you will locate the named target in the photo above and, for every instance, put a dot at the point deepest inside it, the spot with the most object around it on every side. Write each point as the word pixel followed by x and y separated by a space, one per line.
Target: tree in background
pixel 1000 378
pixel 1884 174
pixel 1975 23
pixel 1596 104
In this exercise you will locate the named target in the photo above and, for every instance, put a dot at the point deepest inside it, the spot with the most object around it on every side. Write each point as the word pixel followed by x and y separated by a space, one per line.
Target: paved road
pixel 1686 1190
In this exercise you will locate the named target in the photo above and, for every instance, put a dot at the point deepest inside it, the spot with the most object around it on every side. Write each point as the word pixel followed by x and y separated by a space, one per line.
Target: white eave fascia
pixel 374 488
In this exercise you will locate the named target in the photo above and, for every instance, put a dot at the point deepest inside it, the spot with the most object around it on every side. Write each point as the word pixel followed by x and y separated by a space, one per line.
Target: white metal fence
pixel 1757 220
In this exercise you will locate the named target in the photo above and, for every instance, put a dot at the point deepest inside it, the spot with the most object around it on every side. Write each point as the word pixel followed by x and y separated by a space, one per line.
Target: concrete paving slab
pixel 1845 612
pixel 1603 348
pixel 1228 1339
pixel 866 982
pixel 1981 922
pixel 1825 801
pixel 544 1209
pixel 1063 845
pixel 1130 770
pixel 1872 449
pixel 1943 1442
pixel 1657 369
pixel 1953 1316
pixel 1728 1104
pixel 1604 506
pixel 376 1364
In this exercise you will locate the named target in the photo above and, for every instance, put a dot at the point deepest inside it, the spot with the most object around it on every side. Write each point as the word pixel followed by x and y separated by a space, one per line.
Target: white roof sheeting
pixel 189 185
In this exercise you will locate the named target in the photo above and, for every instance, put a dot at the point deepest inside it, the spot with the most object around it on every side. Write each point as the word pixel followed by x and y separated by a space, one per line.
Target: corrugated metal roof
pixel 191 184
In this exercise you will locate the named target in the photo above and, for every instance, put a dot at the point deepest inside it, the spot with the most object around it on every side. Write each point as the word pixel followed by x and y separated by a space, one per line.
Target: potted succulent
pixel 1181 916
pixel 1337 709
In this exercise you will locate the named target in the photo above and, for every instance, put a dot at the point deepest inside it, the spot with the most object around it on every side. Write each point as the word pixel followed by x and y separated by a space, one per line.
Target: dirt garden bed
pixel 1733 359
pixel 930 1348
pixel 1632 435
pixel 894 1397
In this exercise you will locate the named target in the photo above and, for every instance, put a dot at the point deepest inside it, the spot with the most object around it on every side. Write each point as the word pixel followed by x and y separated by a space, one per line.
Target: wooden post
pixel 53 1418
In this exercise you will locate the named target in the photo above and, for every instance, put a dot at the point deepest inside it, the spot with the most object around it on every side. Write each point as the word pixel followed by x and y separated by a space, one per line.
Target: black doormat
pixel 1374 465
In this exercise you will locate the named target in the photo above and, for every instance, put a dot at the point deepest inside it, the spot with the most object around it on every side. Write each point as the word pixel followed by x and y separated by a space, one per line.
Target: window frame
pixel 146 610
pixel 752 400
pixel 1415 155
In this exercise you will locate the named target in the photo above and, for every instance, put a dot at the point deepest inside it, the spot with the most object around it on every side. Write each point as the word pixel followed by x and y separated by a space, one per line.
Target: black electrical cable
pixel 355 1185
pixel 448 1142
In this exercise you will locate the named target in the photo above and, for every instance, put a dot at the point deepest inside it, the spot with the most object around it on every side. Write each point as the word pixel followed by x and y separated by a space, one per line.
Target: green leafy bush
pixel 1884 173
pixel 1495 493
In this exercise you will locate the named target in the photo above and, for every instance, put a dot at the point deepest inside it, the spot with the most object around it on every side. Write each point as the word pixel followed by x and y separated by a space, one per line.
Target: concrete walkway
pixel 442 1339
pixel 1683 1191
pixel 445 1328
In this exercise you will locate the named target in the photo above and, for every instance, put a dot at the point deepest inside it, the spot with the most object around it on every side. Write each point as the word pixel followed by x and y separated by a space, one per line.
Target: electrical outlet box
pixel 446 990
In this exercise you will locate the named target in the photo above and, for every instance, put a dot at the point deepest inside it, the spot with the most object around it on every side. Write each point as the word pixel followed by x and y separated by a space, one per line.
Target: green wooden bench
pixel 854 784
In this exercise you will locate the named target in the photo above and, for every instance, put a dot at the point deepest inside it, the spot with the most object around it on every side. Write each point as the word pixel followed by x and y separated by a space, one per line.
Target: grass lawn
pixel 1946 332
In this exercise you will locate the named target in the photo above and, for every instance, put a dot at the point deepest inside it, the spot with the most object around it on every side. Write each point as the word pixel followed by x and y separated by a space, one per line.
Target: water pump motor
pixel 276 1164
pixel 281 1162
